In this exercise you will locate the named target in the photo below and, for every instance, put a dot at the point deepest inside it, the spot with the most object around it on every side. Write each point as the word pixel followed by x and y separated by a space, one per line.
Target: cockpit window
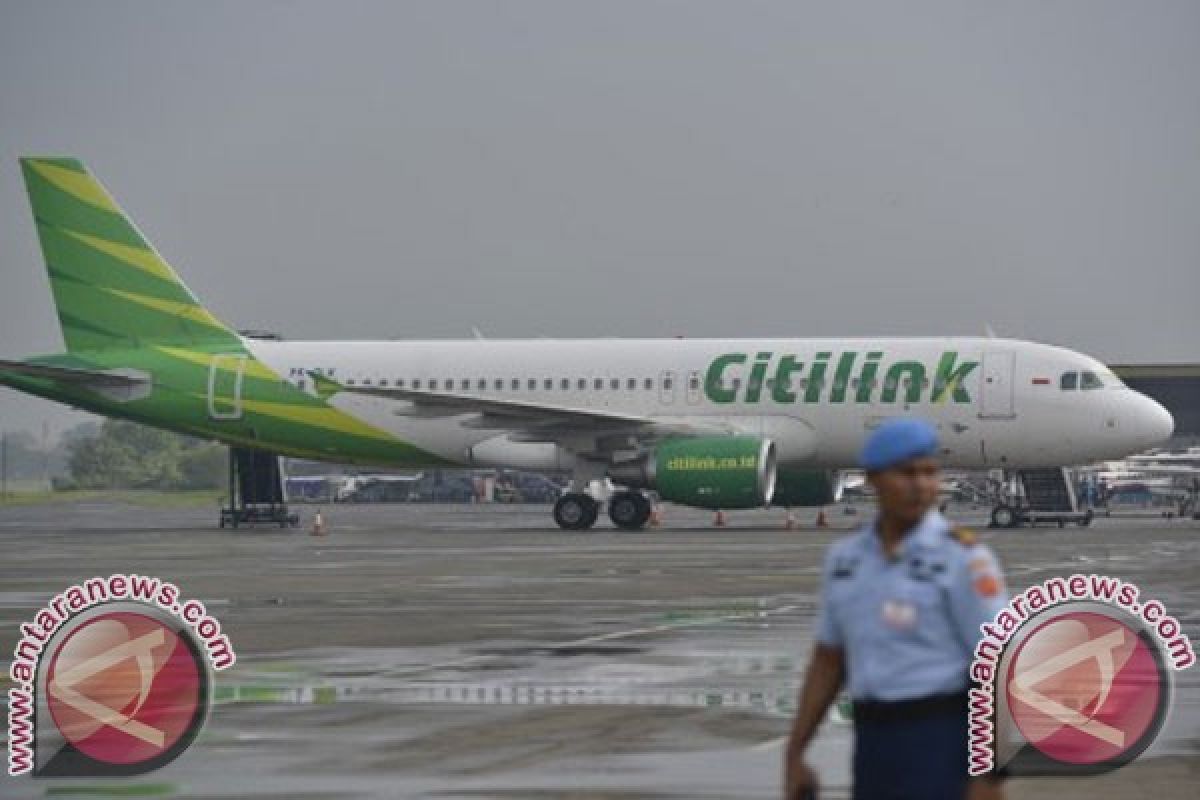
pixel 1069 380
pixel 1090 380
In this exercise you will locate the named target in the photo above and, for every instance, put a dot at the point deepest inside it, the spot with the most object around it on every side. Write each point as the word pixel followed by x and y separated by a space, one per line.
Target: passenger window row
pixel 513 384
pixel 629 384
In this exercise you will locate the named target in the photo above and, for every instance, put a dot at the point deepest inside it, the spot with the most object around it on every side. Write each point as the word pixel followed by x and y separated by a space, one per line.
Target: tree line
pixel 126 455
pixel 117 454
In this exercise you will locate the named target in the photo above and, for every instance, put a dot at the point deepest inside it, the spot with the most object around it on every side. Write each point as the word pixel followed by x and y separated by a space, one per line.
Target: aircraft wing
pixel 1148 460
pixel 528 421
pixel 1167 469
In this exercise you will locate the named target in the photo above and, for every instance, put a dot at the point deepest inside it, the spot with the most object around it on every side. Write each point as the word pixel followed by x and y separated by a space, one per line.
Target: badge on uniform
pixel 844 568
pixel 899 615
pixel 924 570
pixel 987 586
pixel 984 579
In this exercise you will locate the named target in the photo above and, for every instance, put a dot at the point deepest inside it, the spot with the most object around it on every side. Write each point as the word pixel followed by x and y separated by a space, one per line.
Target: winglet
pixel 326 387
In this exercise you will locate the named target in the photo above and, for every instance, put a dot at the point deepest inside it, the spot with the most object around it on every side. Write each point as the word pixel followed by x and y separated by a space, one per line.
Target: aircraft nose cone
pixel 1154 423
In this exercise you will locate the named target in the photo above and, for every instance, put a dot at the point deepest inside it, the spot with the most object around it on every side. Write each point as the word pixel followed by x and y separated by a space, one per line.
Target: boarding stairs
pixel 1044 495
pixel 257 491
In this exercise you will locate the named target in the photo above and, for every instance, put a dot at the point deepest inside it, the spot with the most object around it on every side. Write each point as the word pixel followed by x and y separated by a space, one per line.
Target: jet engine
pixel 795 488
pixel 717 472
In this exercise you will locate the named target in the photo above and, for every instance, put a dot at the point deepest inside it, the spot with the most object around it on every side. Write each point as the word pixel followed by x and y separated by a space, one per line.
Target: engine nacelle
pixel 796 488
pixel 725 472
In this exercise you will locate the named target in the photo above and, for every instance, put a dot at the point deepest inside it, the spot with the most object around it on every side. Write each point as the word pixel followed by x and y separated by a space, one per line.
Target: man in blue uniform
pixel 901 605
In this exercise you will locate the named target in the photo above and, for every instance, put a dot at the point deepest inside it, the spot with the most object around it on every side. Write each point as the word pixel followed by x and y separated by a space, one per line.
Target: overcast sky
pixel 413 169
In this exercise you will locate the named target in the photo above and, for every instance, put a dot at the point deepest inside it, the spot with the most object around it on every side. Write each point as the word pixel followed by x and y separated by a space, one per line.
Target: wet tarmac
pixel 474 652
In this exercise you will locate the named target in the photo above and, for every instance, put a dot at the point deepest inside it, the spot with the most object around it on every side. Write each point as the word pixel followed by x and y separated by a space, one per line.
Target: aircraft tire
pixel 576 511
pixel 1005 517
pixel 629 510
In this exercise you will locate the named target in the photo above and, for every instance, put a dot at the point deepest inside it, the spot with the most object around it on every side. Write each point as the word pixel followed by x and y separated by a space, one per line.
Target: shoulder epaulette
pixel 964 536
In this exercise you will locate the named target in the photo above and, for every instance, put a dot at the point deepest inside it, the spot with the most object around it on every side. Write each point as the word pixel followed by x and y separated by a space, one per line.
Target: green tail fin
pixel 111 287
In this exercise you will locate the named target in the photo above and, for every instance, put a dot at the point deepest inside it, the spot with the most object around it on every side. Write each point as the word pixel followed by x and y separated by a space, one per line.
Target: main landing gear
pixel 578 511
pixel 629 511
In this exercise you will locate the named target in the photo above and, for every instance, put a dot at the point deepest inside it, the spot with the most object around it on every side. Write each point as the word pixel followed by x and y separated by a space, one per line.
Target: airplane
pixel 1187 459
pixel 710 423
pixel 1174 475
pixel 343 488
pixel 853 483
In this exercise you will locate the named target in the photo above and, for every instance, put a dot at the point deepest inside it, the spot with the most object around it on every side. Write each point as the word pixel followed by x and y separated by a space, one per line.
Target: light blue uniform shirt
pixel 908 625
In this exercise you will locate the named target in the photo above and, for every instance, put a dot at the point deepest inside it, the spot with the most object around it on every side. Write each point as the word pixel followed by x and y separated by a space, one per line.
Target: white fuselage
pixel 815 398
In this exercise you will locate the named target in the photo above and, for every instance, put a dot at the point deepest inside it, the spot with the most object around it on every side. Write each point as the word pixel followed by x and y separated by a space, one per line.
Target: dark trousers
pixel 911 756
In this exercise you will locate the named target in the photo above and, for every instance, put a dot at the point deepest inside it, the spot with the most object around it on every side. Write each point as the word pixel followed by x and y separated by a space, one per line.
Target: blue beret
pixel 898 440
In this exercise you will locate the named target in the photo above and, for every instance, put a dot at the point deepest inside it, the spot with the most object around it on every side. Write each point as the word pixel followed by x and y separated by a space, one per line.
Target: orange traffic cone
pixel 789 522
pixel 318 526
pixel 719 520
pixel 822 522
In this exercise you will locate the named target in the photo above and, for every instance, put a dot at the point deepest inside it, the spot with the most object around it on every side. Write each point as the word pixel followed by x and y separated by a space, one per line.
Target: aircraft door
pixel 225 375
pixel 996 384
